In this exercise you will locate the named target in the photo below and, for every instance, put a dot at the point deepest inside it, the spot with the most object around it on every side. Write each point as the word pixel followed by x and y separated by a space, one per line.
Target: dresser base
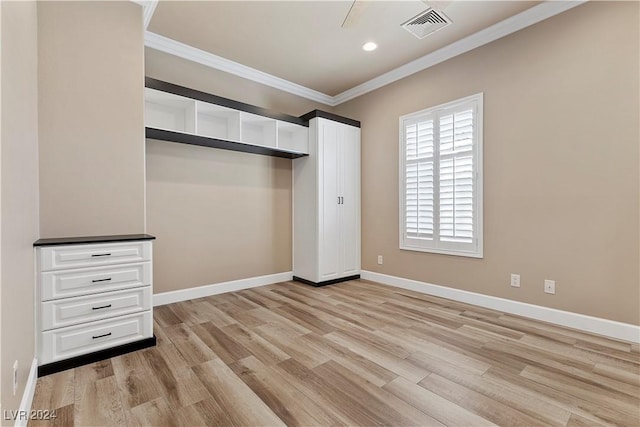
pixel 74 362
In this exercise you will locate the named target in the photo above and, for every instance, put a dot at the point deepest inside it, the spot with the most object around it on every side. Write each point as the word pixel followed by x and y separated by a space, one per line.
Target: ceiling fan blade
pixel 355 11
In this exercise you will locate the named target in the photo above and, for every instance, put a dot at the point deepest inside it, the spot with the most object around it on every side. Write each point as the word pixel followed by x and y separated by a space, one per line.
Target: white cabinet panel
pixel 70 283
pixel 329 201
pixel 78 256
pixel 350 207
pixel 72 341
pixel 71 311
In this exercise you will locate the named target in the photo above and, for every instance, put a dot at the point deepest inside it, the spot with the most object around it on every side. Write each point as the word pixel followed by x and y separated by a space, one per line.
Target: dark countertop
pixel 92 239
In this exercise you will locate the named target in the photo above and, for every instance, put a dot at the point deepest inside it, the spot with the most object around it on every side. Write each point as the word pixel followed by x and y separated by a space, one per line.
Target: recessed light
pixel 369 46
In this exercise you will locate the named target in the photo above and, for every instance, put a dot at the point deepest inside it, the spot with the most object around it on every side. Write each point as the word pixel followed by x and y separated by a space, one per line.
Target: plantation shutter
pixel 456 177
pixel 441 191
pixel 419 187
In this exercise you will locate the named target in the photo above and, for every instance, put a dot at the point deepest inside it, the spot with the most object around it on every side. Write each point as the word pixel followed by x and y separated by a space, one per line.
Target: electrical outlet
pixel 550 286
pixel 515 280
pixel 15 377
pixel 379 259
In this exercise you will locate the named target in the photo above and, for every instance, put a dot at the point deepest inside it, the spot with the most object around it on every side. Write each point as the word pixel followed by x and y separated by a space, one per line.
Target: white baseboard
pixel 219 288
pixel 27 396
pixel 595 325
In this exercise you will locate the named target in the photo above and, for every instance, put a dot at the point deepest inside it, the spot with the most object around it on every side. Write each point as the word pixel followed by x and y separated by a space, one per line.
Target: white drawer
pixel 72 311
pixel 77 340
pixel 71 283
pixel 79 256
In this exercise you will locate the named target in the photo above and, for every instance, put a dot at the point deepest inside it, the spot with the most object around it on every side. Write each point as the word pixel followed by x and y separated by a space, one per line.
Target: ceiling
pixel 303 41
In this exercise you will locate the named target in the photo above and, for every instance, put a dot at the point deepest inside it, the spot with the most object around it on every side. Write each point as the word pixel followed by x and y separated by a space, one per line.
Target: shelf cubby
pixel 168 111
pixel 258 130
pixel 292 137
pixel 216 121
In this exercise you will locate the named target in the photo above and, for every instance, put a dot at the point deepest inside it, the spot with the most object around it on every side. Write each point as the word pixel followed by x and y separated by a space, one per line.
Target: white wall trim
pixel 501 29
pixel 595 325
pixel 219 288
pixel 173 47
pixel 27 397
pixel 148 7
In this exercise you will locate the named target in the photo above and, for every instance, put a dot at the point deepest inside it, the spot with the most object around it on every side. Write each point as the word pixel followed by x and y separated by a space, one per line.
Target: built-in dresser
pixel 94 299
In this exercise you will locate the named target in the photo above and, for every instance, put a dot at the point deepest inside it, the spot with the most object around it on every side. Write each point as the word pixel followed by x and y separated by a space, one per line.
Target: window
pixel 441 179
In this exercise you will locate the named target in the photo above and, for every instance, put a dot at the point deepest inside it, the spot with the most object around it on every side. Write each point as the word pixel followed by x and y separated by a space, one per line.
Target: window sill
pixel 452 252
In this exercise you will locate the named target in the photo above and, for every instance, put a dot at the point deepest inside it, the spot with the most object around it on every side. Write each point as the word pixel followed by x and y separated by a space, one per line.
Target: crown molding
pixel 148 7
pixel 501 29
pixel 173 47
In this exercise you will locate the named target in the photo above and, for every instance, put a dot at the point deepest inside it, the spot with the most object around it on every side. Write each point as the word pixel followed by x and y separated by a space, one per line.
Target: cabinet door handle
pixel 338 199
pixel 102 336
pixel 342 198
pixel 101 280
pixel 102 306
pixel 97 255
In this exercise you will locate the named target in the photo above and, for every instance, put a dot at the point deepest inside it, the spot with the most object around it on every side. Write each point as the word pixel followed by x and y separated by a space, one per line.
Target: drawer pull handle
pixel 97 255
pixel 101 336
pixel 102 306
pixel 101 280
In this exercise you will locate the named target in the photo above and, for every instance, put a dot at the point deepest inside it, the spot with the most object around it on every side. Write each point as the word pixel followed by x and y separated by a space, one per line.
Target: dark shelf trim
pixel 326 282
pixel 203 141
pixel 326 115
pixel 219 100
pixel 80 240
pixel 85 359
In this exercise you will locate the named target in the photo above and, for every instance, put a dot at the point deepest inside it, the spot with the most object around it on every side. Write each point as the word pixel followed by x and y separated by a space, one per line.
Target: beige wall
pixel 218 215
pixel 91 71
pixel 561 137
pixel 19 194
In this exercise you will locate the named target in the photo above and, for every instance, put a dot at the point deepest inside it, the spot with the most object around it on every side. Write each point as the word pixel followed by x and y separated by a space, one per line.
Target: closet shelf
pixel 203 141
pixel 178 114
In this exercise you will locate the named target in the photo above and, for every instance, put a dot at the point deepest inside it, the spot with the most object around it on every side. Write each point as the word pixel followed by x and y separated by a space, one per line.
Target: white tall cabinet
pixel 326 224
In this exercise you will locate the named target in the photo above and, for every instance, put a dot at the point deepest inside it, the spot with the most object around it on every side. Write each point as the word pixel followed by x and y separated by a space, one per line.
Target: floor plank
pixel 228 390
pixel 292 407
pixel 439 408
pixel 354 353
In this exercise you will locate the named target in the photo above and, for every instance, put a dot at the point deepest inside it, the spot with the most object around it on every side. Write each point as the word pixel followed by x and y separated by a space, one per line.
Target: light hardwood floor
pixel 355 353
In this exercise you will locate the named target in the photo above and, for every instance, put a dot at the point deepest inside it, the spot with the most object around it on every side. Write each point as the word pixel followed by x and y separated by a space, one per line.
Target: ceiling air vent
pixel 427 22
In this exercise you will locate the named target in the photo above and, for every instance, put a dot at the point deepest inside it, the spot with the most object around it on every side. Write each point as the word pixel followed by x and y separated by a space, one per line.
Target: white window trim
pixel 478 201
